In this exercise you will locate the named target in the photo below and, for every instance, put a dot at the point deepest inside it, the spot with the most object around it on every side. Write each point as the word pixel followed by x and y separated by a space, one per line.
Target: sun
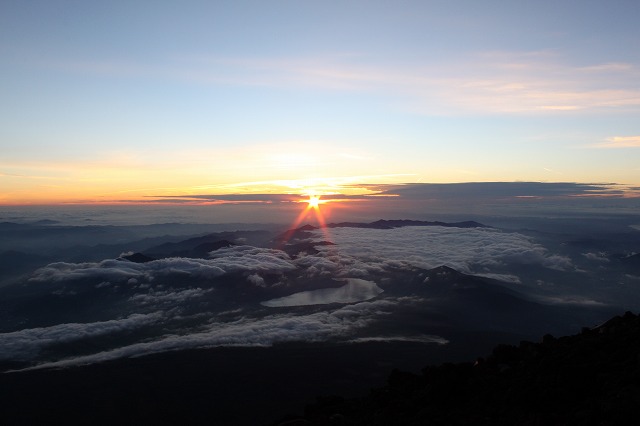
pixel 314 201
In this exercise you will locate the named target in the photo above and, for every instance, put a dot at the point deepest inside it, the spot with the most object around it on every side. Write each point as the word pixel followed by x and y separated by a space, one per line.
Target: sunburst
pixel 314 201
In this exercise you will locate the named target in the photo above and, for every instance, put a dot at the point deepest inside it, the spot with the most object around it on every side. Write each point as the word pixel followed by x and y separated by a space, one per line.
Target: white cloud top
pixel 226 260
pixel 28 342
pixel 468 250
pixel 340 323
pixel 185 301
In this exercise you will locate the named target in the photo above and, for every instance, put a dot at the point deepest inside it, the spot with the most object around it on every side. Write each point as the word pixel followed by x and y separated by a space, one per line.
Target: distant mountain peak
pixel 445 269
pixel 307 227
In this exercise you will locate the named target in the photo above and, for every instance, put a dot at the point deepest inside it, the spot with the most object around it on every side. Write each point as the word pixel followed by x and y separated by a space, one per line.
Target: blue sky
pixel 106 101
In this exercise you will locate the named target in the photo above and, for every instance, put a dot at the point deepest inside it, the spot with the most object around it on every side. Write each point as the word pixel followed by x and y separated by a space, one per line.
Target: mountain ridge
pixel 588 378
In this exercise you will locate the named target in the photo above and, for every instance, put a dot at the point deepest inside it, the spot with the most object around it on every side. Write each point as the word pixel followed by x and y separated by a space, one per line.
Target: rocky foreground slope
pixel 589 378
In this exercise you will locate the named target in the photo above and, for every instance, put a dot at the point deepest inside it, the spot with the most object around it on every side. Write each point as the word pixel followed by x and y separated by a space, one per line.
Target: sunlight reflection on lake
pixel 356 290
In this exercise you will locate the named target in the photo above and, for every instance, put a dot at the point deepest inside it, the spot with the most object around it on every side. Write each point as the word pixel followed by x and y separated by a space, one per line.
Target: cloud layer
pixel 193 303
pixel 339 324
pixel 468 250
pixel 25 344
pixel 222 261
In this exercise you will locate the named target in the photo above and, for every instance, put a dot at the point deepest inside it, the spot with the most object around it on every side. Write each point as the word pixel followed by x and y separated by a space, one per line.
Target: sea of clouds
pixel 479 251
pixel 169 301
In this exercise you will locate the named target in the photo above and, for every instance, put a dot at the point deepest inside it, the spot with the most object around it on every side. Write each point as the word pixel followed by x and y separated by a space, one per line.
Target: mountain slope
pixel 589 378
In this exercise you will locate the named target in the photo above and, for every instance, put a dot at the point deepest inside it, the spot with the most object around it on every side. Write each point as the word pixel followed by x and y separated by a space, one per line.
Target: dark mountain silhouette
pixel 201 250
pixel 15 263
pixel 291 235
pixel 13 260
pixel 454 301
pixel 592 378
pixel 52 237
pixel 199 247
pixel 90 243
pixel 446 283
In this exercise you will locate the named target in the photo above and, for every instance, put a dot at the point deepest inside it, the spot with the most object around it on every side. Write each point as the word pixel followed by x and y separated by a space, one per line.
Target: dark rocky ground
pixel 592 378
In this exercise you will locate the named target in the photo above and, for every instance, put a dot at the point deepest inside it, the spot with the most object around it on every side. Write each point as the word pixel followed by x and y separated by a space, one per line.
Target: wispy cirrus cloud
pixel 620 142
pixel 486 82
pixel 535 82
pixel 493 82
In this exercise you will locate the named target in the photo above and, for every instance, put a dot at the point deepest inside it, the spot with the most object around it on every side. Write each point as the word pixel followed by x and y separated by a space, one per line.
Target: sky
pixel 132 101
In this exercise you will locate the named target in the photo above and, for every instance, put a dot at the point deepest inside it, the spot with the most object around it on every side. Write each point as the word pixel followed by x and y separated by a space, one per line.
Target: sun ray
pixel 313 206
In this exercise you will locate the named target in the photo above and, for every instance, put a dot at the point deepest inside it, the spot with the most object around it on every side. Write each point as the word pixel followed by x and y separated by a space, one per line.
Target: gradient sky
pixel 122 100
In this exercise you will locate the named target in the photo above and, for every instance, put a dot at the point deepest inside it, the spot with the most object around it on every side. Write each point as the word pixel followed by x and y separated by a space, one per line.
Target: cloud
pixel 359 256
pixel 338 264
pixel 227 198
pixel 498 190
pixel 26 344
pixel 557 262
pixel 249 258
pixel 117 270
pixel 256 280
pixel 468 250
pixel 379 193
pixel 489 82
pixel 319 265
pixel 225 260
pixel 499 198
pixel 338 324
pixel 160 297
pixel 497 82
pixel 599 257
pixel 620 142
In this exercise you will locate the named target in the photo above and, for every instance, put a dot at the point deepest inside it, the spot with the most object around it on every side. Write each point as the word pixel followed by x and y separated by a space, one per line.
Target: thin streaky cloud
pixel 505 82
pixel 485 82
pixel 620 142
pixel 609 67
